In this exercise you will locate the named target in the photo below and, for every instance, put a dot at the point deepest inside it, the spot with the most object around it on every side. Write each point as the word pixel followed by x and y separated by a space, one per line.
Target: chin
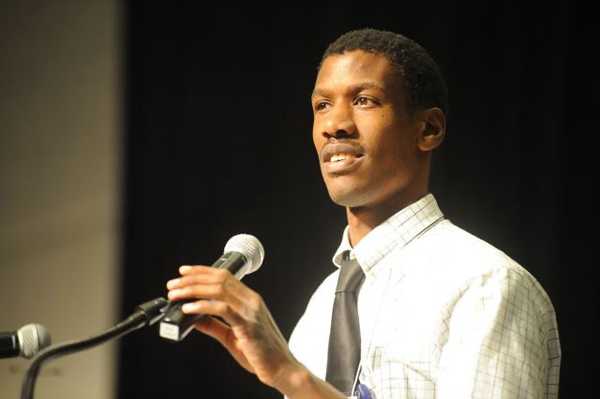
pixel 345 191
pixel 349 199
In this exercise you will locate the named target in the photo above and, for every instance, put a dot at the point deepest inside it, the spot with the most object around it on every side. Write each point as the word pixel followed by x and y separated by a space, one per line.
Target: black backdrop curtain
pixel 218 142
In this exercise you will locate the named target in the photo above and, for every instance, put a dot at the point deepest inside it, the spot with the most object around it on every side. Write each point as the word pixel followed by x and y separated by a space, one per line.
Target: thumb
pixel 224 334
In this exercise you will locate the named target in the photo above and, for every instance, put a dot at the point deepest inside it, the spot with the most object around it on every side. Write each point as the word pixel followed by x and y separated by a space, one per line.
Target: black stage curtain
pixel 218 142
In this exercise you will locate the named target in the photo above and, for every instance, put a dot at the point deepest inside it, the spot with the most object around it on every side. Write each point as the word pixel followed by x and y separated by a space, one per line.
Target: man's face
pixel 363 133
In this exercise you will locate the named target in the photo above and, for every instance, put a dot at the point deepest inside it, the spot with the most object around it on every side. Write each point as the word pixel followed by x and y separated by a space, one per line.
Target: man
pixel 441 314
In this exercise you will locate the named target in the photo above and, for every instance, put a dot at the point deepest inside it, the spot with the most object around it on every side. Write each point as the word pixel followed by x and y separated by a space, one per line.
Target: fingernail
pixel 184 269
pixel 172 283
pixel 173 294
pixel 190 307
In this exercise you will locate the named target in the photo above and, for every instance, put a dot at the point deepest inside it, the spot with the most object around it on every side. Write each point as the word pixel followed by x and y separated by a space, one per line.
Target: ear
pixel 433 129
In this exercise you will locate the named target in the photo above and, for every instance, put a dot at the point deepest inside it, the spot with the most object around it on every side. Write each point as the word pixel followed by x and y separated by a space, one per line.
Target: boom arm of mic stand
pixel 146 314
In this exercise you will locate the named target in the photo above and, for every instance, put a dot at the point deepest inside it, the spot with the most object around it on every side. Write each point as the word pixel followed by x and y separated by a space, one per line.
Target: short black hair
pixel 421 75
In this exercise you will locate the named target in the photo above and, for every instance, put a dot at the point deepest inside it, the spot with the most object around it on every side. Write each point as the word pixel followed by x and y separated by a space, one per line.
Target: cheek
pixel 393 152
pixel 317 139
pixel 385 142
pixel 316 143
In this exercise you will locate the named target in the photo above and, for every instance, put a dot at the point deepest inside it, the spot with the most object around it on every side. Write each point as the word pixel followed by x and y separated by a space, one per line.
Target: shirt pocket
pixel 391 376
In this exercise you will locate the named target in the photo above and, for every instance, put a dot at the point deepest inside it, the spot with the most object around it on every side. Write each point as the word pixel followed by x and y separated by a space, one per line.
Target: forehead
pixel 355 68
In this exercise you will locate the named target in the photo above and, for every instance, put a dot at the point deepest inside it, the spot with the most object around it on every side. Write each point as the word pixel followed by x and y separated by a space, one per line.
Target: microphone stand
pixel 146 314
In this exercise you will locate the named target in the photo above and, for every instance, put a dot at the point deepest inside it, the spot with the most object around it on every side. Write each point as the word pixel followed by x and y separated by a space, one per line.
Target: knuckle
pixel 195 291
pixel 219 290
pixel 255 301
pixel 184 281
pixel 222 274
pixel 221 308
pixel 195 279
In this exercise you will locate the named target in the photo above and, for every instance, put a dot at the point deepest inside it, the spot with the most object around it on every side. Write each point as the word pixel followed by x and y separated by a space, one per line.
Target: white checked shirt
pixel 442 314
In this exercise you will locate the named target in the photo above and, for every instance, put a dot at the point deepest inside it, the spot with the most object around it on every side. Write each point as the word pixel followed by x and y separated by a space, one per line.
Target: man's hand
pixel 250 335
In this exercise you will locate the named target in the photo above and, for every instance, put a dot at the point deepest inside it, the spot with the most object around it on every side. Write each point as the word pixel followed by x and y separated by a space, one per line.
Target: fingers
pixel 205 291
pixel 199 282
pixel 227 293
pixel 197 275
pixel 188 280
pixel 250 335
pixel 213 308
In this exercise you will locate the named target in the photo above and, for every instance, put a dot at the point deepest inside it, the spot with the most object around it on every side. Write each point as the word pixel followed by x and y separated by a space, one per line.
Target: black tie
pixel 343 355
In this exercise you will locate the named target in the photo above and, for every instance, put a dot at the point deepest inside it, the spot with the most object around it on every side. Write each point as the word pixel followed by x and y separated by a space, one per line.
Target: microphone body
pixel 235 262
pixel 243 255
pixel 26 341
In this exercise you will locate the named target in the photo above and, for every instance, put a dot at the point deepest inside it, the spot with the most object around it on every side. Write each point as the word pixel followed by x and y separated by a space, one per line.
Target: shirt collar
pixel 396 231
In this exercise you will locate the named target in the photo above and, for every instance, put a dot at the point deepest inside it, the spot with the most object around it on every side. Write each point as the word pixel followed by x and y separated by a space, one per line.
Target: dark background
pixel 218 142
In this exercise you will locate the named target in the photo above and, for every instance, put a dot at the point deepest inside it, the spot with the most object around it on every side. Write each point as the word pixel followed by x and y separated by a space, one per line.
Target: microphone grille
pixel 250 247
pixel 32 339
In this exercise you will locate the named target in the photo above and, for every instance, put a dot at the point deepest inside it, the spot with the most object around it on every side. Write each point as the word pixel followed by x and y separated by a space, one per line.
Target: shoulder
pixel 458 246
pixel 460 259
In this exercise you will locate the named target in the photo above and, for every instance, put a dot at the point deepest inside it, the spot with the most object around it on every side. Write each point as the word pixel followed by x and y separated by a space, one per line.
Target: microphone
pixel 243 255
pixel 26 341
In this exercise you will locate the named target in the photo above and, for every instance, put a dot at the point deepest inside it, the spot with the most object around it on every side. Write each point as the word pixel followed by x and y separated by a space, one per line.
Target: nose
pixel 338 122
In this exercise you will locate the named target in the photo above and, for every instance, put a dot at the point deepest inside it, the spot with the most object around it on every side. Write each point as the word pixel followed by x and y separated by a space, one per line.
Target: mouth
pixel 341 158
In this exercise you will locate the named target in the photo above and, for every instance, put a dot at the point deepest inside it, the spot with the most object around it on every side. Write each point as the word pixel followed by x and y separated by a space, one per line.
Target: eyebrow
pixel 352 89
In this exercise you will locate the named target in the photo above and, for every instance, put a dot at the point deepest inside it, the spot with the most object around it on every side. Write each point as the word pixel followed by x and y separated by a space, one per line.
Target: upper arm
pixel 498 340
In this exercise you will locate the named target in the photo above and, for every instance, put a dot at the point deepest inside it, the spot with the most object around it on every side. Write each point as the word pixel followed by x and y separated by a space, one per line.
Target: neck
pixel 363 219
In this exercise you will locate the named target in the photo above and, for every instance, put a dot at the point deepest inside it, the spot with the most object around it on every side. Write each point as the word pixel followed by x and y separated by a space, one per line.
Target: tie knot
pixel 351 275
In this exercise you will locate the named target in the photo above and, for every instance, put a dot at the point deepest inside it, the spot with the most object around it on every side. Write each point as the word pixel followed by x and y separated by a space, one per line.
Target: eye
pixel 321 105
pixel 363 101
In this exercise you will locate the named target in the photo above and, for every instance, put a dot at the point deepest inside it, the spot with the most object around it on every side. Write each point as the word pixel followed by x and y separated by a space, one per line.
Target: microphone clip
pixel 176 325
pixel 153 310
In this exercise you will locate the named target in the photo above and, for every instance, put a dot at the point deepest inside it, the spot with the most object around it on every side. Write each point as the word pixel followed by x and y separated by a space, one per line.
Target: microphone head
pixel 32 339
pixel 250 247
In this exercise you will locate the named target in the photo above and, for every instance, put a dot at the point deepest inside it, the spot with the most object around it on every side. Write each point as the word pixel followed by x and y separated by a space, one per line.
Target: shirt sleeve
pixel 502 341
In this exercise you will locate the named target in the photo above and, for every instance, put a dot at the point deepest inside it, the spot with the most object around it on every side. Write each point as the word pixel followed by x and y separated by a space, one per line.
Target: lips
pixel 349 150
pixel 340 158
